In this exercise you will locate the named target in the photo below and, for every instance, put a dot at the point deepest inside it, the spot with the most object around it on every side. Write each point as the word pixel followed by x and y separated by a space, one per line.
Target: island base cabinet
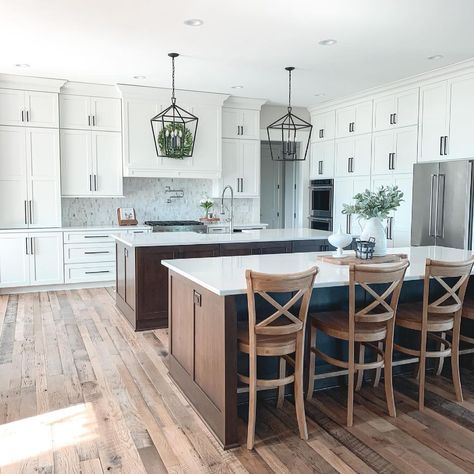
pixel 203 354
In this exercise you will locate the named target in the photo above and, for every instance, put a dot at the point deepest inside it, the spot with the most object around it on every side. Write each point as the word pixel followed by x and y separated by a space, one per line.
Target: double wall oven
pixel 321 200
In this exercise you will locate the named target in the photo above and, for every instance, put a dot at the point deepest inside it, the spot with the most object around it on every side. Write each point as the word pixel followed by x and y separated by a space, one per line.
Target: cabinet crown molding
pixel 87 89
pixel 164 94
pixel 38 84
pixel 244 103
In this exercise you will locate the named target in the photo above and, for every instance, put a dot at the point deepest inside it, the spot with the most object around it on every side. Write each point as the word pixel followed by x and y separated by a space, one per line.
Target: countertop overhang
pixel 160 239
pixel 225 276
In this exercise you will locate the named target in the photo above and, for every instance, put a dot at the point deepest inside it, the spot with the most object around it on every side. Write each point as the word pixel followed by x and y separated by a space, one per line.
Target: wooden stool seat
pixel 410 316
pixel 336 324
pixel 267 345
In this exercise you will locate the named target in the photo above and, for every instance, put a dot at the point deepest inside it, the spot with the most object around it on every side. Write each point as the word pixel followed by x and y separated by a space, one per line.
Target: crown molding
pixel 89 89
pixel 244 103
pixel 30 83
pixel 436 75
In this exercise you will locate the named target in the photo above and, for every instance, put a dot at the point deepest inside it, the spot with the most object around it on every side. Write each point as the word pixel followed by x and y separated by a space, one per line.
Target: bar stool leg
pixel 312 364
pixel 252 400
pixel 299 395
pixel 350 385
pixel 388 379
pixel 378 371
pixel 360 372
pixel 455 357
pixel 421 371
pixel 281 388
pixel 441 359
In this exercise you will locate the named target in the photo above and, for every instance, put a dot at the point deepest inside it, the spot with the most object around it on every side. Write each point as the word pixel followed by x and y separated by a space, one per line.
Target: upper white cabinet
pixel 324 126
pixel 396 110
pixel 446 120
pixel 90 113
pixel 352 156
pixel 29 178
pixel 355 119
pixel 394 151
pixel 141 104
pixel 28 108
pixel 240 123
pixel 322 160
pixel 91 163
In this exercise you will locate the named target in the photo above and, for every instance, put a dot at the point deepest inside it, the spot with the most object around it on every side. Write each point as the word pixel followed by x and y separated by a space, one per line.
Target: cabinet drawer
pixel 88 237
pixel 79 273
pixel 89 253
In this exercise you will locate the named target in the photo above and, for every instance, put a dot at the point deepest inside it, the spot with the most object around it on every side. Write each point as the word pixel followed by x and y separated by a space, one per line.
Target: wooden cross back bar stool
pixel 366 326
pixel 440 316
pixel 278 335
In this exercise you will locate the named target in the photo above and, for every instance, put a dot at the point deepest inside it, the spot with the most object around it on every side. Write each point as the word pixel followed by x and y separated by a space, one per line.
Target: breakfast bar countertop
pixel 225 276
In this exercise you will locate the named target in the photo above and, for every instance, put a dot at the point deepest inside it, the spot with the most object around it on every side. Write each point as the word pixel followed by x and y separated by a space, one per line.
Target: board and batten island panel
pixel 142 281
pixel 208 298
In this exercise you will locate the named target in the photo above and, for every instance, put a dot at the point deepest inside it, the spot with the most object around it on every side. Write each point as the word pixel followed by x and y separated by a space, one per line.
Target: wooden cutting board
pixel 352 259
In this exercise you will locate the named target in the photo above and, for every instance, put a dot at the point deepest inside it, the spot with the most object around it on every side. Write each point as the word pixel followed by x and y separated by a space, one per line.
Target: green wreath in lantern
pixel 186 135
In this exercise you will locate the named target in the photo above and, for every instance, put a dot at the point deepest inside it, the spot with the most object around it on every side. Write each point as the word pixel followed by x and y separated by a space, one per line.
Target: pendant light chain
pixel 173 98
pixel 289 90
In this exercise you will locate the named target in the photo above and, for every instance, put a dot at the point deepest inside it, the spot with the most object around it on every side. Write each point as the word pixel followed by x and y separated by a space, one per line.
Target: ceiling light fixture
pixel 327 42
pixel 435 57
pixel 237 87
pixel 194 22
pixel 22 65
pixel 174 129
pixel 287 127
pixel 139 77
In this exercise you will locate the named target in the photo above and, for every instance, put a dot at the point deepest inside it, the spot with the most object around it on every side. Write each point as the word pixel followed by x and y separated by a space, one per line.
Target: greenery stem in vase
pixel 207 204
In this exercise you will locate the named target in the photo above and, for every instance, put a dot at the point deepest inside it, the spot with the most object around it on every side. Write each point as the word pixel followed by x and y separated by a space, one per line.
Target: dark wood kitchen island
pixel 142 281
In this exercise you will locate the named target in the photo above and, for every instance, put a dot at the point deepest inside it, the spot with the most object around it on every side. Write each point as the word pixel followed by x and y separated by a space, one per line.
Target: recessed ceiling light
pixel 22 65
pixel 435 57
pixel 327 42
pixel 139 77
pixel 193 22
pixel 237 87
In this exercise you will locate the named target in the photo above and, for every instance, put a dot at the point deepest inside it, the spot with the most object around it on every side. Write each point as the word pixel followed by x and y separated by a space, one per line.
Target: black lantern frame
pixel 288 126
pixel 174 129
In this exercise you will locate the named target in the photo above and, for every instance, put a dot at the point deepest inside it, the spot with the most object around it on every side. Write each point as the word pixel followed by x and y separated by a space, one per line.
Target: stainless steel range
pixel 177 226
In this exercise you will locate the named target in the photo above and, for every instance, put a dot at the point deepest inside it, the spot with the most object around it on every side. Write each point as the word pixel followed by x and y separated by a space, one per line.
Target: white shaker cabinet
pixel 28 259
pixel 90 113
pixel 394 151
pixel 240 123
pixel 396 110
pixel 322 160
pixel 352 156
pixel 29 178
pixel 354 120
pixel 324 126
pixel 28 108
pixel 91 164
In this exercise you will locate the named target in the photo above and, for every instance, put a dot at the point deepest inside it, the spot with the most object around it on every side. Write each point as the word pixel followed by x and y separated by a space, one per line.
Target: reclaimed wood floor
pixel 81 392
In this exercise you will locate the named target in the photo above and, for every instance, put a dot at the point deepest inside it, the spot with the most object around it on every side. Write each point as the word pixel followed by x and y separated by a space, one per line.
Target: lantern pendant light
pixel 174 129
pixel 288 127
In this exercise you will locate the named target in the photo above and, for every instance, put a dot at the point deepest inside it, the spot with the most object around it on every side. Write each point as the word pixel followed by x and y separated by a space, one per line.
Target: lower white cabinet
pixel 322 160
pixel 352 156
pixel 89 272
pixel 398 224
pixel 344 191
pixel 28 259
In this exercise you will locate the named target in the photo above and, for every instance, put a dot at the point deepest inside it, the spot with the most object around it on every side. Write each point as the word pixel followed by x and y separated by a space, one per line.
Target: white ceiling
pixel 242 42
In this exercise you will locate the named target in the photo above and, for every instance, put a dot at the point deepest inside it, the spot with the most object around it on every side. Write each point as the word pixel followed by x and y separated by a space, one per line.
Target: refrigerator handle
pixel 434 178
pixel 440 206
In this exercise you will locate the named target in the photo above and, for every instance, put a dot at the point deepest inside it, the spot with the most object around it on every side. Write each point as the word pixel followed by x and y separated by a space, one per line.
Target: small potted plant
pixel 207 204
pixel 373 206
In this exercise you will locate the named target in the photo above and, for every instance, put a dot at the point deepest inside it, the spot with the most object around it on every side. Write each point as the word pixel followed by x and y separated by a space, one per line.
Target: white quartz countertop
pixel 158 239
pixel 226 275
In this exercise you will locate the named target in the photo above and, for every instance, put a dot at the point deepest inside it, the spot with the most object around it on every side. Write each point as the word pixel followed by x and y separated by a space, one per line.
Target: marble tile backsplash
pixel 149 198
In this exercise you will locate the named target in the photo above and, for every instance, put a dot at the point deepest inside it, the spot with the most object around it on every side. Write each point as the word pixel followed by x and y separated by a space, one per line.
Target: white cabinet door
pixel 433 121
pixel 324 126
pixel 344 151
pixel 75 111
pixel 46 259
pixel 42 109
pixel 461 121
pixel 322 160
pixel 383 148
pixel 107 163
pixel 14 260
pixel 384 108
pixel 43 169
pixel 250 171
pixel 12 107
pixel 353 155
pixel 231 122
pixel 354 120
pixel 76 163
pixel 406 108
pixel 405 149
pixel 106 113
pixel 344 118
pixel 363 118
pixel 231 163
pixel 250 124
pixel 13 183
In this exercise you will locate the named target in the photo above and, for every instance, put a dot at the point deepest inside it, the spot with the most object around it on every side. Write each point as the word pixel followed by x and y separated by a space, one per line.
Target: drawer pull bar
pixel 96 252
pixel 98 271
pixel 96 236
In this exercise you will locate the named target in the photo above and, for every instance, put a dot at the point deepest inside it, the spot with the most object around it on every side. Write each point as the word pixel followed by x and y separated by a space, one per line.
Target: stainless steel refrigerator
pixel 443 204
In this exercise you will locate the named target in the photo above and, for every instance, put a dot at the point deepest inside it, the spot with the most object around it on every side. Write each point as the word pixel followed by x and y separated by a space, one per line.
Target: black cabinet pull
pixel 95 252
pixel 98 271
pixel 320 167
pixel 445 147
pixel 441 139
pixel 96 236
pixel 197 298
